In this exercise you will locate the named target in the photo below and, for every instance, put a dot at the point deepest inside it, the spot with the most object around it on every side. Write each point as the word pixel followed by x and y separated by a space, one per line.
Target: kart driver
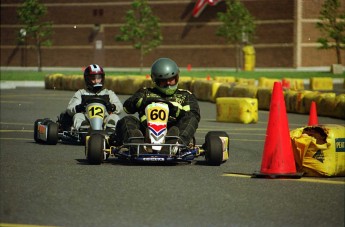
pixel 184 116
pixel 94 78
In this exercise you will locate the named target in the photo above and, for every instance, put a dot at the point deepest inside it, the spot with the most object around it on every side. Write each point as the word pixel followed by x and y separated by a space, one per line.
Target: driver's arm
pixel 189 107
pixel 115 101
pixel 75 101
pixel 194 106
pixel 133 103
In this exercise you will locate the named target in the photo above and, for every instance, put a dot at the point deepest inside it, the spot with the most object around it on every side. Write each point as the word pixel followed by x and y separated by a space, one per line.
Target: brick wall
pixel 187 40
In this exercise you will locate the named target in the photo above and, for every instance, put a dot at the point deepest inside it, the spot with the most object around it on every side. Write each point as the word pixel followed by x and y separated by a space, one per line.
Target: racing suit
pixel 185 117
pixel 111 118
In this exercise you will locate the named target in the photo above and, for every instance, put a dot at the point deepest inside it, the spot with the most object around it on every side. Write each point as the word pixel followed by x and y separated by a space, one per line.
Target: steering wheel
pixel 148 101
pixel 95 99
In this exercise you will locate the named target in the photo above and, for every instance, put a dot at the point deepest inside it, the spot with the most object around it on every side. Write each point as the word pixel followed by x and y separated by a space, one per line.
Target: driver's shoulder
pixel 82 92
pixel 183 91
pixel 106 91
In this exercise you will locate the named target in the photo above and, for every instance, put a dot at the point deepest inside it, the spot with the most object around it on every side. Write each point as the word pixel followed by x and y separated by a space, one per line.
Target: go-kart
pixel 156 148
pixel 46 131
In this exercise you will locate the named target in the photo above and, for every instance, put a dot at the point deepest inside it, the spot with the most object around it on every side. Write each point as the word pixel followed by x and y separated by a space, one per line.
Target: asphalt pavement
pixel 54 186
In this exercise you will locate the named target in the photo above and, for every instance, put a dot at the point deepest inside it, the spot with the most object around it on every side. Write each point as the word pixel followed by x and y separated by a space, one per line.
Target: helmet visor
pixel 163 83
pixel 96 77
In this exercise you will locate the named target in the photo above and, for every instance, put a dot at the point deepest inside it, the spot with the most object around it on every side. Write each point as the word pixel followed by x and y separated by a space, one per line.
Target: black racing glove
pixel 110 107
pixel 175 109
pixel 139 101
pixel 80 108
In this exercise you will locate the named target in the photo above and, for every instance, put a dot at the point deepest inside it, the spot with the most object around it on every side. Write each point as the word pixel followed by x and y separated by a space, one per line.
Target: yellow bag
pixel 319 150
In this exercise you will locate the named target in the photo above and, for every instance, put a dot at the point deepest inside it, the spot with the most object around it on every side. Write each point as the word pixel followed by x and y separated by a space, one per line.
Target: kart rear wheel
pixel 214 147
pixel 37 140
pixel 52 136
pixel 96 145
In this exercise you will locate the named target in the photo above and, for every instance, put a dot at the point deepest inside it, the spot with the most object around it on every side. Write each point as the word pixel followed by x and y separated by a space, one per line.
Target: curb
pixel 15 84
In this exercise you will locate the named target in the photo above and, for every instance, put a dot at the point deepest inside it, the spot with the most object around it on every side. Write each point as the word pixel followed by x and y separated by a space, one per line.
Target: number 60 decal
pixel 158 114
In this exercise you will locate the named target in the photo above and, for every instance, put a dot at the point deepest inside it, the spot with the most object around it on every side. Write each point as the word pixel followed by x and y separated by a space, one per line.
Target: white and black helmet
pixel 163 69
pixel 90 73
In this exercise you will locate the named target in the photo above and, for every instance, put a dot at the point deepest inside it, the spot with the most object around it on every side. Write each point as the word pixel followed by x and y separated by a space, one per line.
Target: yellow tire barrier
pixel 66 83
pixel 325 103
pixel 123 85
pixel 294 84
pixel 339 107
pixel 245 81
pixel 223 90
pixel 321 83
pixel 47 82
pixel 297 100
pixel 77 82
pixel 264 98
pixel 314 96
pixel 113 83
pixel 266 82
pixel 147 82
pixel 290 97
pixel 54 81
pixel 130 84
pixel 215 87
pixel 225 79
pixel 244 91
pixel 202 89
pixel 185 82
pixel 237 110
pixel 300 101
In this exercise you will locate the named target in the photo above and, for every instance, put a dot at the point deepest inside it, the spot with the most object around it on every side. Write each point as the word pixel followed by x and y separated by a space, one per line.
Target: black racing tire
pixel 82 139
pixel 95 153
pixel 214 147
pixel 37 140
pixel 52 135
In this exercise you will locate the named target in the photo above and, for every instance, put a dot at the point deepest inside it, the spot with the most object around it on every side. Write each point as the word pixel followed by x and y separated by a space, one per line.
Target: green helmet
pixel 163 69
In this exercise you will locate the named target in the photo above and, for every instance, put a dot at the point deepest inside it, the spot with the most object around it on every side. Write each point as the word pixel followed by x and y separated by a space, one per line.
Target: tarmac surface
pixel 53 185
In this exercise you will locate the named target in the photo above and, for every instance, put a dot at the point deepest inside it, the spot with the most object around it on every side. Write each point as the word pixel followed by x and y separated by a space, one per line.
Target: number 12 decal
pixel 96 111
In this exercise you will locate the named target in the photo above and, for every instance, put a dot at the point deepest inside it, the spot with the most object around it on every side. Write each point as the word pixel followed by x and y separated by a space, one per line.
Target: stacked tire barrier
pixel 237 110
pixel 297 99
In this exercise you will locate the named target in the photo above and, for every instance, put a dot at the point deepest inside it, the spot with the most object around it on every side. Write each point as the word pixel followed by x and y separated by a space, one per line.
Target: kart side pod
pixel 46 131
pixel 216 147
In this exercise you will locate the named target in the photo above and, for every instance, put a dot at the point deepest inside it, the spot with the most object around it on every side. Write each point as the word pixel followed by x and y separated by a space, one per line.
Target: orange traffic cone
pixel 313 115
pixel 278 159
pixel 208 77
pixel 189 67
pixel 285 84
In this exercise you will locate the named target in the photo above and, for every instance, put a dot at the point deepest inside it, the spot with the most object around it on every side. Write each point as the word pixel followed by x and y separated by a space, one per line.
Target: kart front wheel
pixel 214 147
pixel 52 134
pixel 95 153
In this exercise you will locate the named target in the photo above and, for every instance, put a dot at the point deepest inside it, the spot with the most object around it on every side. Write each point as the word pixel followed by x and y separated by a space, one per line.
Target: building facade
pixel 85 30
